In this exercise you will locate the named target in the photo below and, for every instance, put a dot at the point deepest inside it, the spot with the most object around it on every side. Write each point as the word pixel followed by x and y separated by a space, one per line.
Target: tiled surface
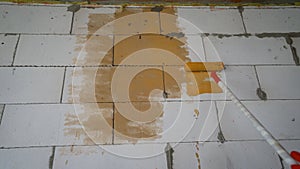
pixel 290 145
pixel 7 48
pixel 26 158
pixel 30 85
pixel 34 19
pixel 280 82
pixel 69 90
pixel 272 20
pixel 245 51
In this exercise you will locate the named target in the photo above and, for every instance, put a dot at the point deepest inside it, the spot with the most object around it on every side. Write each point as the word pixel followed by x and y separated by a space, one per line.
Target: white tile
pixel 110 157
pixel 234 124
pixel 30 85
pixel 290 145
pixel 246 154
pixel 34 19
pixel 26 158
pixel 251 50
pixel 180 121
pixel 7 48
pixel 56 124
pixel 103 21
pixel 195 20
pixel 272 20
pixel 63 50
pixel 280 117
pixel 280 82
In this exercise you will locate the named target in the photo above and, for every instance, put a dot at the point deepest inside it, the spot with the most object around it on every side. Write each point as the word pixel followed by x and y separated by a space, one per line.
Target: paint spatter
pixel 197 155
pixel 196 112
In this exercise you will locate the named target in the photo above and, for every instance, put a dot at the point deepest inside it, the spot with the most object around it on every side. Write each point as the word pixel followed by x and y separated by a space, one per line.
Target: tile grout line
pixel 289 41
pixel 241 10
pixel 165 94
pixel 63 84
pixel 2 113
pixel 51 158
pixel 113 51
pixel 256 75
pixel 15 51
pixel 159 23
pixel 204 50
pixel 72 22
pixel 220 136
pixel 113 125
pixel 281 162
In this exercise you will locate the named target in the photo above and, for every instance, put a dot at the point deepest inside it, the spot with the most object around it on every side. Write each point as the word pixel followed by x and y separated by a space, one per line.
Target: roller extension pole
pixel 266 134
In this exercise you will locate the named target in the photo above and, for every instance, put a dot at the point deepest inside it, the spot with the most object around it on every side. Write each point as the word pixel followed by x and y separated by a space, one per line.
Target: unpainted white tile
pixel 26 158
pixel 34 19
pixel 248 50
pixel 280 82
pixel 234 124
pixel 245 154
pixel 61 50
pixel 279 117
pixel 264 20
pixel 56 124
pixel 30 84
pixel 111 157
pixel 202 20
pixel 7 48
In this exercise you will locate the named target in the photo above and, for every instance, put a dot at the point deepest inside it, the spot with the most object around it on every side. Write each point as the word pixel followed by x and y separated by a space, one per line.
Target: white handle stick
pixel 265 133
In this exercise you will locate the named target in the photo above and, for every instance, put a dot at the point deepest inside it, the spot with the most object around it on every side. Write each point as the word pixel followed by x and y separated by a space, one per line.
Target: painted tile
pixel 272 20
pixel 290 145
pixel 246 154
pixel 278 116
pixel 56 124
pixel 30 85
pixel 202 20
pixel 154 49
pixel 7 48
pixel 61 50
pixel 245 51
pixel 35 19
pixel 164 122
pixel 234 124
pixel 280 82
pixel 186 155
pixel 110 157
pixel 105 21
pixel 26 158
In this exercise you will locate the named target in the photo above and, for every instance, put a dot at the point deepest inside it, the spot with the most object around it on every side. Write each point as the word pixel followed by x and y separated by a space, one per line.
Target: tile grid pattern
pixel 254 67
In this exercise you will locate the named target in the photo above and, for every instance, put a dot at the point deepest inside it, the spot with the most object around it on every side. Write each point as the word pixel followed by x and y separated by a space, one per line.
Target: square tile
pixel 56 124
pixel 264 20
pixel 279 117
pixel 60 50
pixel 103 21
pixel 35 19
pixel 30 84
pixel 164 122
pixel 7 48
pixel 245 51
pixel 110 157
pixel 280 82
pixel 26 158
pixel 203 20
